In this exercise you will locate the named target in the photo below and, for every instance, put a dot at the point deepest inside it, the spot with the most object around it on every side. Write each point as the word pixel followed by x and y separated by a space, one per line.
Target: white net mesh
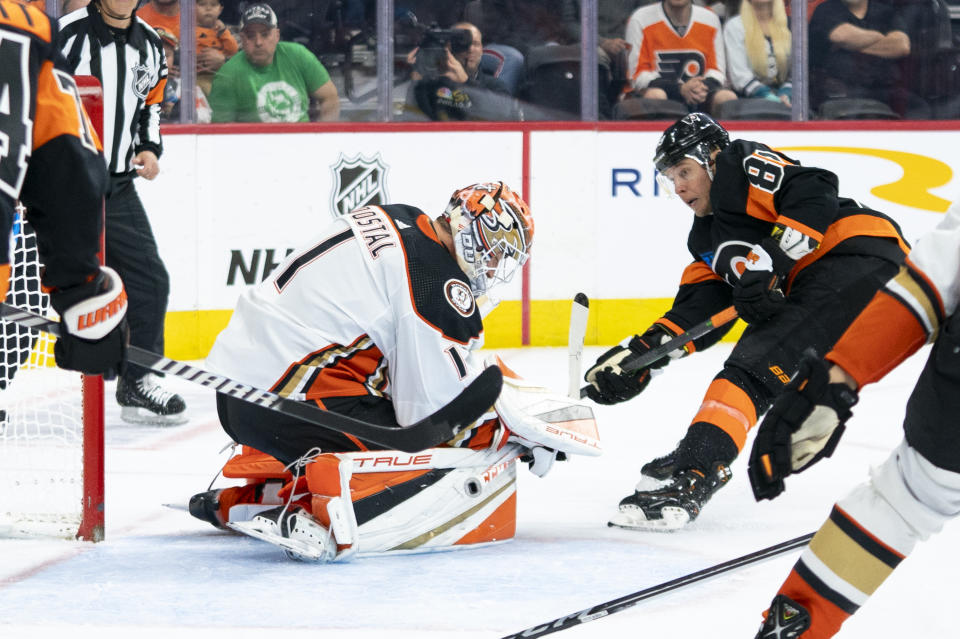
pixel 41 415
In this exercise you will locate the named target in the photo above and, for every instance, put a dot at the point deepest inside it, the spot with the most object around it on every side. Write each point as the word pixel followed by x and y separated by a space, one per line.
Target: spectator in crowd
pixel 757 42
pixel 448 81
pixel 855 51
pixel 462 65
pixel 95 41
pixel 215 43
pixel 676 53
pixel 162 13
pixel 271 81
pixel 170 107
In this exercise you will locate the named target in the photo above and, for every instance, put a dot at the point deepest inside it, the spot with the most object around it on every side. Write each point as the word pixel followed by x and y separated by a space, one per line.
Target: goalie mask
pixel 492 230
pixel 693 136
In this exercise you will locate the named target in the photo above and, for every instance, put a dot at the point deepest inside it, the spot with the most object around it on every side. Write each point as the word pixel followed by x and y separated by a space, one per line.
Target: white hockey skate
pixel 294 530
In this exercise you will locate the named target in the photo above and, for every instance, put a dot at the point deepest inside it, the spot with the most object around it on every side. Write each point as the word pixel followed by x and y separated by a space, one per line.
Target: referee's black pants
pixel 131 251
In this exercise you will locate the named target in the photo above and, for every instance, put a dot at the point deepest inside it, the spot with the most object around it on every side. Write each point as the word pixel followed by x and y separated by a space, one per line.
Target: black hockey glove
pixel 93 325
pixel 757 295
pixel 802 427
pixel 610 384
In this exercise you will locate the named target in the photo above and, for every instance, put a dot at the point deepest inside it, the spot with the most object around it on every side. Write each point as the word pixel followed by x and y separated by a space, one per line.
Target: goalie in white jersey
pixel 377 317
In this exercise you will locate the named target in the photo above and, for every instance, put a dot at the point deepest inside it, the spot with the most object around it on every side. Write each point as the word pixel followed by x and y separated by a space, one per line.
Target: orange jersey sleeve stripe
pixel 697 272
pixel 729 408
pixel 844 229
pixel 156 93
pixel 26 18
pixel 4 280
pixel 58 112
pixel 881 337
pixel 799 226
pixel 676 330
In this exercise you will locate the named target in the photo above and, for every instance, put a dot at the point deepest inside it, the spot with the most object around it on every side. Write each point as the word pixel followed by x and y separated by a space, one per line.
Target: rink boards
pixel 232 201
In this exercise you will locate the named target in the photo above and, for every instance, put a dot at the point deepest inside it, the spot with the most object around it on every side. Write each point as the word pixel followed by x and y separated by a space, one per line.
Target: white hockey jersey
pixel 373 305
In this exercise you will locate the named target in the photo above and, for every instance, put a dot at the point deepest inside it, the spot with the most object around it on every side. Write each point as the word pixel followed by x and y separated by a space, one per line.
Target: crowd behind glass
pixel 513 60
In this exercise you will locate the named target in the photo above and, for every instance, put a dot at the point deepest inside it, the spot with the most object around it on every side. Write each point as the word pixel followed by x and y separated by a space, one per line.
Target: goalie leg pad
pixel 438 499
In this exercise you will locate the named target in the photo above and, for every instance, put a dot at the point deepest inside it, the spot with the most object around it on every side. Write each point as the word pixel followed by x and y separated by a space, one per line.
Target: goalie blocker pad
pixel 538 417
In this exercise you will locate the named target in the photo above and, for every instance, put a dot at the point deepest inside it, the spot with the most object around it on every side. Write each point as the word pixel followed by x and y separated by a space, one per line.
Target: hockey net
pixel 51 420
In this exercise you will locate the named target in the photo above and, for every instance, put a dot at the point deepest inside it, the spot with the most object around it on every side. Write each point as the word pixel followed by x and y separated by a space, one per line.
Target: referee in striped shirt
pixel 106 39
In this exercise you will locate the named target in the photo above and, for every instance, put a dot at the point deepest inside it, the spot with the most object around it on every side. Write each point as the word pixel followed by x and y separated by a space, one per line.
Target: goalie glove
pixel 610 384
pixel 802 427
pixel 93 325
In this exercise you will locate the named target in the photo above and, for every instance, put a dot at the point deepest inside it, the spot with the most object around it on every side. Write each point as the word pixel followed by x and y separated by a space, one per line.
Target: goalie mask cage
pixel 51 420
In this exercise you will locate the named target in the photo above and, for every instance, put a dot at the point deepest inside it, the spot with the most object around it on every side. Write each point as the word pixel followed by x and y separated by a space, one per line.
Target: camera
pixel 432 56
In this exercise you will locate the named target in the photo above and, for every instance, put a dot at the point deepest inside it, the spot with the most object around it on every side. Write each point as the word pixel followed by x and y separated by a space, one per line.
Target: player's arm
pixel 701 294
pixel 806 423
pixel 327 102
pixel 68 221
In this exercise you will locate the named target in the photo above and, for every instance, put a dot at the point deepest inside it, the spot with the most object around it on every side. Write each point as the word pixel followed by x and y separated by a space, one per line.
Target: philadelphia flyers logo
pixel 683 64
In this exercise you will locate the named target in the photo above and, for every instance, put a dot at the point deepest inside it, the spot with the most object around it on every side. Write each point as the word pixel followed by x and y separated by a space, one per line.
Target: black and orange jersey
pixel 51 160
pixel 755 188
pixel 373 306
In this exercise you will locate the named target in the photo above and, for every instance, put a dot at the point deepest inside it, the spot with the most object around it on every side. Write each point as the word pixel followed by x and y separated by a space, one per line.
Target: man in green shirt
pixel 269 80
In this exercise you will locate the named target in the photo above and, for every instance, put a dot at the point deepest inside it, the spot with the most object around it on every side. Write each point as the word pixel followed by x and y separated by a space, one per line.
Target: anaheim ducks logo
pixel 459 296
pixel 501 229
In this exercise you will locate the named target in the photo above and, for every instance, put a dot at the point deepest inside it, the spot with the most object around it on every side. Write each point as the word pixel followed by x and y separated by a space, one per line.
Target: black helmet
pixel 693 136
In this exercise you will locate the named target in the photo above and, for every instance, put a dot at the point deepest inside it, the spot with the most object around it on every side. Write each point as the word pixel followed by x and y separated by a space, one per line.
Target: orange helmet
pixel 492 231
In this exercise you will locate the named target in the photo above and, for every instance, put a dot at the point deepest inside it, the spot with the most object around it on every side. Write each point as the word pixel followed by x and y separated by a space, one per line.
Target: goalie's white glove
pixel 550 425
pixel 802 427
pixel 93 325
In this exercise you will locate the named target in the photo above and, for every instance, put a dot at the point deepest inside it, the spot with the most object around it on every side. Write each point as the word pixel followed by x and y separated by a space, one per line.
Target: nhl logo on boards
pixel 358 181
pixel 459 296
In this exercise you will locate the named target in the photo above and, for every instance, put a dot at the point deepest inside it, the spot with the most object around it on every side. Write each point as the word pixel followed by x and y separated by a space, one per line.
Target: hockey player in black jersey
pixel 50 161
pixel 796 260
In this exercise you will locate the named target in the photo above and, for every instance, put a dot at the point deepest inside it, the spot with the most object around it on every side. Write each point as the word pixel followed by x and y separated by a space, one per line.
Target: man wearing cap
pixel 271 81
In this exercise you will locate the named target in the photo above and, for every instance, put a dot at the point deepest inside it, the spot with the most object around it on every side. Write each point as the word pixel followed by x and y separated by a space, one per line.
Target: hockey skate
pixel 143 401
pixel 786 619
pixel 674 504
pixel 294 530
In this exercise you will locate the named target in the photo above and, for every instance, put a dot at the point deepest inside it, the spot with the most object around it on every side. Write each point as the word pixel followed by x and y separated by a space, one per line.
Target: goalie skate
pixel 673 505
pixel 294 530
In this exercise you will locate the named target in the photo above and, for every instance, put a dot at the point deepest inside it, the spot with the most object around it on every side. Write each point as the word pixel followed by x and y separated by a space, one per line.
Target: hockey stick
pixel 579 311
pixel 636 362
pixel 434 429
pixel 616 605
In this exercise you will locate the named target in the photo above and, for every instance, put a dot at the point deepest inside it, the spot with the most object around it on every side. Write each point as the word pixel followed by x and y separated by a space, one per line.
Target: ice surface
pixel 161 573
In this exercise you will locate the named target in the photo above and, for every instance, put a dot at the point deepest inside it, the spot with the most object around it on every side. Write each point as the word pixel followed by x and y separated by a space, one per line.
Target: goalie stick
pixel 628 601
pixel 636 362
pixel 441 426
pixel 579 311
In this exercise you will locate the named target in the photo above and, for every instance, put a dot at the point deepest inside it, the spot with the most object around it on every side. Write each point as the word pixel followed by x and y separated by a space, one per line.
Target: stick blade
pixel 464 409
